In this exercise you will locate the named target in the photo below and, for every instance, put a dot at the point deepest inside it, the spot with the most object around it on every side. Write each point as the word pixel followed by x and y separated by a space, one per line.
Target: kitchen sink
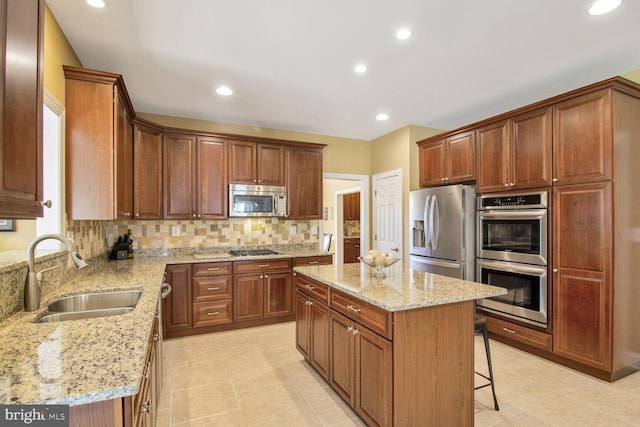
pixel 95 301
pixel 86 314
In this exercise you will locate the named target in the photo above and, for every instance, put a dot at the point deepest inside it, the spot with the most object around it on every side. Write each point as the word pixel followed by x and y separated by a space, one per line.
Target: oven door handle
pixel 524 214
pixel 511 268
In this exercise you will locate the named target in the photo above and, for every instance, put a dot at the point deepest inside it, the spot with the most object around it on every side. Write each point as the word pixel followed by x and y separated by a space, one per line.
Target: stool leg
pixel 486 346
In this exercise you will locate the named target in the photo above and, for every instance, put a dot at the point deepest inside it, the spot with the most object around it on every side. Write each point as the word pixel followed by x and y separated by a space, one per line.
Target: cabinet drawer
pixel 263 265
pixel 211 313
pixel 375 318
pixel 519 333
pixel 313 260
pixel 312 288
pixel 212 268
pixel 210 288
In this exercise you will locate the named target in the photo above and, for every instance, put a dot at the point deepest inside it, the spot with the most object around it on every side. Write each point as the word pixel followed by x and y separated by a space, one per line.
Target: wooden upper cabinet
pixel 583 140
pixel 212 177
pixel 98 111
pixel 255 163
pixel 448 160
pixel 351 206
pixel 515 153
pixel 147 171
pixel 304 182
pixel 194 170
pixel 21 88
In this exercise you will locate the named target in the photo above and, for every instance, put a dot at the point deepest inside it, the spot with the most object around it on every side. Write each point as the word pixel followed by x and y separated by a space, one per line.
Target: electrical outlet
pixel 314 230
pixel 292 229
pixel 175 230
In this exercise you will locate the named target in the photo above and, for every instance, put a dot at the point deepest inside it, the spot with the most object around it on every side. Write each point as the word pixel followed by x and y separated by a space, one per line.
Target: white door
pixel 387 212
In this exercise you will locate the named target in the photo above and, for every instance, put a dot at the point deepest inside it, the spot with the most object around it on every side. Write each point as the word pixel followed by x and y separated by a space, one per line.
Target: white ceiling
pixel 290 62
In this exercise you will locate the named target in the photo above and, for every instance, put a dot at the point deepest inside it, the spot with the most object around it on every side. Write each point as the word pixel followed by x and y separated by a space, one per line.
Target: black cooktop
pixel 253 252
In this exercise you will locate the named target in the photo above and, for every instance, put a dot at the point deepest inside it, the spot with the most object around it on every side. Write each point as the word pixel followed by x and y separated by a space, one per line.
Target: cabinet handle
pixel 193 215
pixel 263 265
pixel 350 329
pixel 309 302
pixel 313 262
pixel 554 179
pixel 215 313
pixel 309 287
pixel 146 373
pixel 213 269
pixel 354 309
pixel 137 215
pixel 442 179
pixel 46 204
pixel 354 331
pixel 266 276
pixel 511 184
pixel 214 289
pixel 555 270
pixel 511 331
pixel 506 184
pixel 446 178
pixel 156 337
pixel 166 290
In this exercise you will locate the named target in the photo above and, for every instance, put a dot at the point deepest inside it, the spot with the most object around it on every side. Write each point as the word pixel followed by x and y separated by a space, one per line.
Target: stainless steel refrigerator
pixel 442 237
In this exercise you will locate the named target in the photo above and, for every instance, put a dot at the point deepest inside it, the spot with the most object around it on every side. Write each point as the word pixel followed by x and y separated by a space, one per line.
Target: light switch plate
pixel 175 230
pixel 314 230
pixel 292 229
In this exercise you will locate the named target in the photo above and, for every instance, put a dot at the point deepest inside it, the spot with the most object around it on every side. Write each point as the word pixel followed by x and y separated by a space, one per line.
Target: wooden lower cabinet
pixel 351 250
pixel 361 369
pixel 177 306
pixel 415 370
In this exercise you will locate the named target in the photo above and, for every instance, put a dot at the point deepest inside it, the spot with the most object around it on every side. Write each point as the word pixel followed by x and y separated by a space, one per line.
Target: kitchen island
pixel 398 350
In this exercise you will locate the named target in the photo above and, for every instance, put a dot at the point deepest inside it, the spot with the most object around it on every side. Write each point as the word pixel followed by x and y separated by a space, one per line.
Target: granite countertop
pixel 90 360
pixel 82 361
pixel 402 289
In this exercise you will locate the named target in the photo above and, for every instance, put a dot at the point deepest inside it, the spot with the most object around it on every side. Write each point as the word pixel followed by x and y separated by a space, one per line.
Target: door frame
pixel 361 181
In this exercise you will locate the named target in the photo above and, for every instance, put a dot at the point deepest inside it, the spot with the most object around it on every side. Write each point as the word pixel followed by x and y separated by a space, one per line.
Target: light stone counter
pixel 82 361
pixel 402 289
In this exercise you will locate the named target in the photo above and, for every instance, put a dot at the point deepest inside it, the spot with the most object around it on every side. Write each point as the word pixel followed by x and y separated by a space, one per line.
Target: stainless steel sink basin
pixel 95 301
pixel 87 314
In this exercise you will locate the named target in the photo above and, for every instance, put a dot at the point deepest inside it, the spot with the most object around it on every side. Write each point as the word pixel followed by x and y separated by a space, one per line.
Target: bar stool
pixel 481 328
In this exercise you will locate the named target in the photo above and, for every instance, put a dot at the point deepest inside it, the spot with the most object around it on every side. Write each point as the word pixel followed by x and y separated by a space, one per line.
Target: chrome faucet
pixel 33 286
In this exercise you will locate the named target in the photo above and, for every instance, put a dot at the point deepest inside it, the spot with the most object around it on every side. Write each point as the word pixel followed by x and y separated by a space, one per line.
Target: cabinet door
pixel 248 296
pixel 277 294
pixel 493 157
pixel 304 183
pixel 374 376
pixel 342 370
pixel 124 162
pixel 303 324
pixel 319 353
pixel 211 192
pixel 242 162
pixel 582 278
pixel 176 313
pixel 179 176
pixel 351 250
pixel 270 164
pixel 531 135
pixel 432 158
pixel 460 158
pixel 355 206
pixel 21 66
pixel 147 172
pixel 582 139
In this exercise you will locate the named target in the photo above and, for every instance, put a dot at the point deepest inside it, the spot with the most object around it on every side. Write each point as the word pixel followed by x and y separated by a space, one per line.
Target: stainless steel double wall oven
pixel 511 250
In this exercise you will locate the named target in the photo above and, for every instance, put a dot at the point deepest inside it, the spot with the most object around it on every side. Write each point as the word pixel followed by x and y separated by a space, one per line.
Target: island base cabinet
pixel 361 369
pixel 312 332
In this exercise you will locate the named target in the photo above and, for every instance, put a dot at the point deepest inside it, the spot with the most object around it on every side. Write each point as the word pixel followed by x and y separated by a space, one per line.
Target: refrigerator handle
pixel 435 218
pixel 427 232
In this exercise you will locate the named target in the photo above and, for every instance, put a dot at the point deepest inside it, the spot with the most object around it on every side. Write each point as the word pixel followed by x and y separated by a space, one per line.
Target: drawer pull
pixel 156 337
pixel 313 262
pixel 213 269
pixel 308 302
pixel 217 288
pixel 215 313
pixel 263 265
pixel 353 330
pixel 511 331
pixel 354 309
pixel 309 287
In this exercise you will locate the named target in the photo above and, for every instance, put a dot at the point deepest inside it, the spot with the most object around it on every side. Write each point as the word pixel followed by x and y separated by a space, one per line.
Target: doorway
pixel 387 212
pixel 335 186
pixel 52 167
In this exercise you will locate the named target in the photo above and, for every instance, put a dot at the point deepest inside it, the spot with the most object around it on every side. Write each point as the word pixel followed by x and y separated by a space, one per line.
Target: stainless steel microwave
pixel 246 200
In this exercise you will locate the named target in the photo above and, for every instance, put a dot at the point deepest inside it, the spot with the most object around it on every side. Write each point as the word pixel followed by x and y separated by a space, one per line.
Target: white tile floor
pixel 256 377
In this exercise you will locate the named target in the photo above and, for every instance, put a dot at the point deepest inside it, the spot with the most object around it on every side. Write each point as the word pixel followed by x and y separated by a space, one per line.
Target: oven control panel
pixel 513 201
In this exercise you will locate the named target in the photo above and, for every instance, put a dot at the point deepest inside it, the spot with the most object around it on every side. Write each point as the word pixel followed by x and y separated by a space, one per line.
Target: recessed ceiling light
pixel 360 68
pixel 601 7
pixel 403 34
pixel 224 90
pixel 382 117
pixel 97 3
